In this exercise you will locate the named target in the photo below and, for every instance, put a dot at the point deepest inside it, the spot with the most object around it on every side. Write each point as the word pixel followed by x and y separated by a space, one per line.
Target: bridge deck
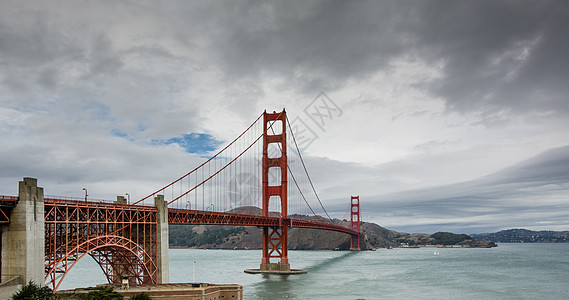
pixel 175 216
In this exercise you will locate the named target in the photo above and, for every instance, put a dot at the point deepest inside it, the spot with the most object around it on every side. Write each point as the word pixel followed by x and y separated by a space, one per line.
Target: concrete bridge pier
pixel 162 259
pixel 23 241
pixel 154 239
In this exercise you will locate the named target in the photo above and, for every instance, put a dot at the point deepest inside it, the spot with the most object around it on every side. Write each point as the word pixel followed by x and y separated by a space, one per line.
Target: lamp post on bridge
pixel 85 194
pixel 127 198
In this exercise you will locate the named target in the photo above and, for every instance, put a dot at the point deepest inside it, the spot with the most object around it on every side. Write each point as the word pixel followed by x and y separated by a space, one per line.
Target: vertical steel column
pixel 275 239
pixel 355 222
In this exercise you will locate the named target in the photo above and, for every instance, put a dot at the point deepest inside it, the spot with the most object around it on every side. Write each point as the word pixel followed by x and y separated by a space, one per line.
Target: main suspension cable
pixel 228 164
pixel 305 170
pixel 296 183
pixel 207 161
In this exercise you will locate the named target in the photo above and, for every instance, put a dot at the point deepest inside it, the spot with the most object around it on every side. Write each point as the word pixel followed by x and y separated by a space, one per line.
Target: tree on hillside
pixel 449 238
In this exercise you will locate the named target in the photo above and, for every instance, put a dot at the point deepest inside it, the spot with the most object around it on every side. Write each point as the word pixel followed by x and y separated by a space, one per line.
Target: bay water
pixel 510 271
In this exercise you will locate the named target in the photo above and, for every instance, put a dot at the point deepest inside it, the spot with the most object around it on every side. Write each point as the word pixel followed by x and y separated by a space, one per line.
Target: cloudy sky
pixel 444 115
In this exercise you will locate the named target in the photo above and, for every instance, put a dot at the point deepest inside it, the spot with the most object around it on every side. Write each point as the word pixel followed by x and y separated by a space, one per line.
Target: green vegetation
pixel 104 293
pixel 524 236
pixel 413 243
pixel 141 296
pixel 449 238
pixel 184 236
pixel 32 291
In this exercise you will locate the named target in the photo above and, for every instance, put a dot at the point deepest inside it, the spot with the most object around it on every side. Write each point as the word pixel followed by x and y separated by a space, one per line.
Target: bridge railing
pixel 182 215
pixel 324 226
pixel 107 204
pixel 8 198
pixel 76 198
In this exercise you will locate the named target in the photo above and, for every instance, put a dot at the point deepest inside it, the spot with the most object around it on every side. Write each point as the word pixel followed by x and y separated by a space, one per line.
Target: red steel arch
pixel 116 255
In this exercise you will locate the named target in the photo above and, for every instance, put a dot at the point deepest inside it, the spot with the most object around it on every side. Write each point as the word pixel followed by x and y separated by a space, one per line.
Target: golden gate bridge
pixel 258 179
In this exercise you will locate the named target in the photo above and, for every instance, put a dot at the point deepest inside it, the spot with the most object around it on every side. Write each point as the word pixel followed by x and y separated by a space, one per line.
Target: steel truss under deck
pixel 121 238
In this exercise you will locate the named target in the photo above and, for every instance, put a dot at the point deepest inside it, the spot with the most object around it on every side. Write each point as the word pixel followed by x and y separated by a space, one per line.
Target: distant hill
pixel 525 236
pixel 249 237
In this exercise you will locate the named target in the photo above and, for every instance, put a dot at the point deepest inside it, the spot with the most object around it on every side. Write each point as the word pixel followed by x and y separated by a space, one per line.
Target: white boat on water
pixel 436 253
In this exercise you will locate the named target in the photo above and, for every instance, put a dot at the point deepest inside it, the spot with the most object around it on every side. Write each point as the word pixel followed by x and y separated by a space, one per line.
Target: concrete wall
pixel 6 292
pixel 23 242
pixel 163 241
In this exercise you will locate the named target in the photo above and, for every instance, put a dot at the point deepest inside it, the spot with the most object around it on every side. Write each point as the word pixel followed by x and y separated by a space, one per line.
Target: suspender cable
pixel 305 170
pixel 296 183
pixel 207 161
pixel 217 172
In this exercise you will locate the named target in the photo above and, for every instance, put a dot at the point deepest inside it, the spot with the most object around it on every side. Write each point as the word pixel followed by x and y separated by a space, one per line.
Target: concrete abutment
pixel 23 240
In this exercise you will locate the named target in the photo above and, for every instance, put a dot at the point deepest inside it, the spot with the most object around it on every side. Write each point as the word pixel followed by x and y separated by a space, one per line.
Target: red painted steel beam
pixel 6 205
pixel 323 226
pixel 195 217
pixel 108 205
pixel 186 216
pixel 8 199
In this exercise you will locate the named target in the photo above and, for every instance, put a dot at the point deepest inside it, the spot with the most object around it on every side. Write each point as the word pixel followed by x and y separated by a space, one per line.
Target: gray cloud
pixel 314 45
pixel 497 55
pixel 522 195
pixel 89 86
pixel 65 66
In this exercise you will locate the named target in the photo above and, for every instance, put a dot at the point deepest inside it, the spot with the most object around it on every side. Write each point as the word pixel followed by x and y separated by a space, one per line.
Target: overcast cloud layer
pixel 454 114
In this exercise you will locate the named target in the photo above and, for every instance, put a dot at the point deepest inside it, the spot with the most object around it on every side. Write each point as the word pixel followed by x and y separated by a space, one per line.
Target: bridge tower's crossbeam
pixel 275 239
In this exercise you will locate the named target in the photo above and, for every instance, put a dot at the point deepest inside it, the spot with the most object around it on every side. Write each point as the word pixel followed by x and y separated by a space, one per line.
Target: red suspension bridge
pixel 258 179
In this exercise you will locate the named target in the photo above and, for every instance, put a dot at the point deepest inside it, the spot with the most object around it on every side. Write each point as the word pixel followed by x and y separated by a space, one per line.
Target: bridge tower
pixel 355 222
pixel 275 239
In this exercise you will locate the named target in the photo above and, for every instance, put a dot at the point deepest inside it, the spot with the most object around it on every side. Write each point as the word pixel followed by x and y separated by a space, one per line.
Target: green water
pixel 511 271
